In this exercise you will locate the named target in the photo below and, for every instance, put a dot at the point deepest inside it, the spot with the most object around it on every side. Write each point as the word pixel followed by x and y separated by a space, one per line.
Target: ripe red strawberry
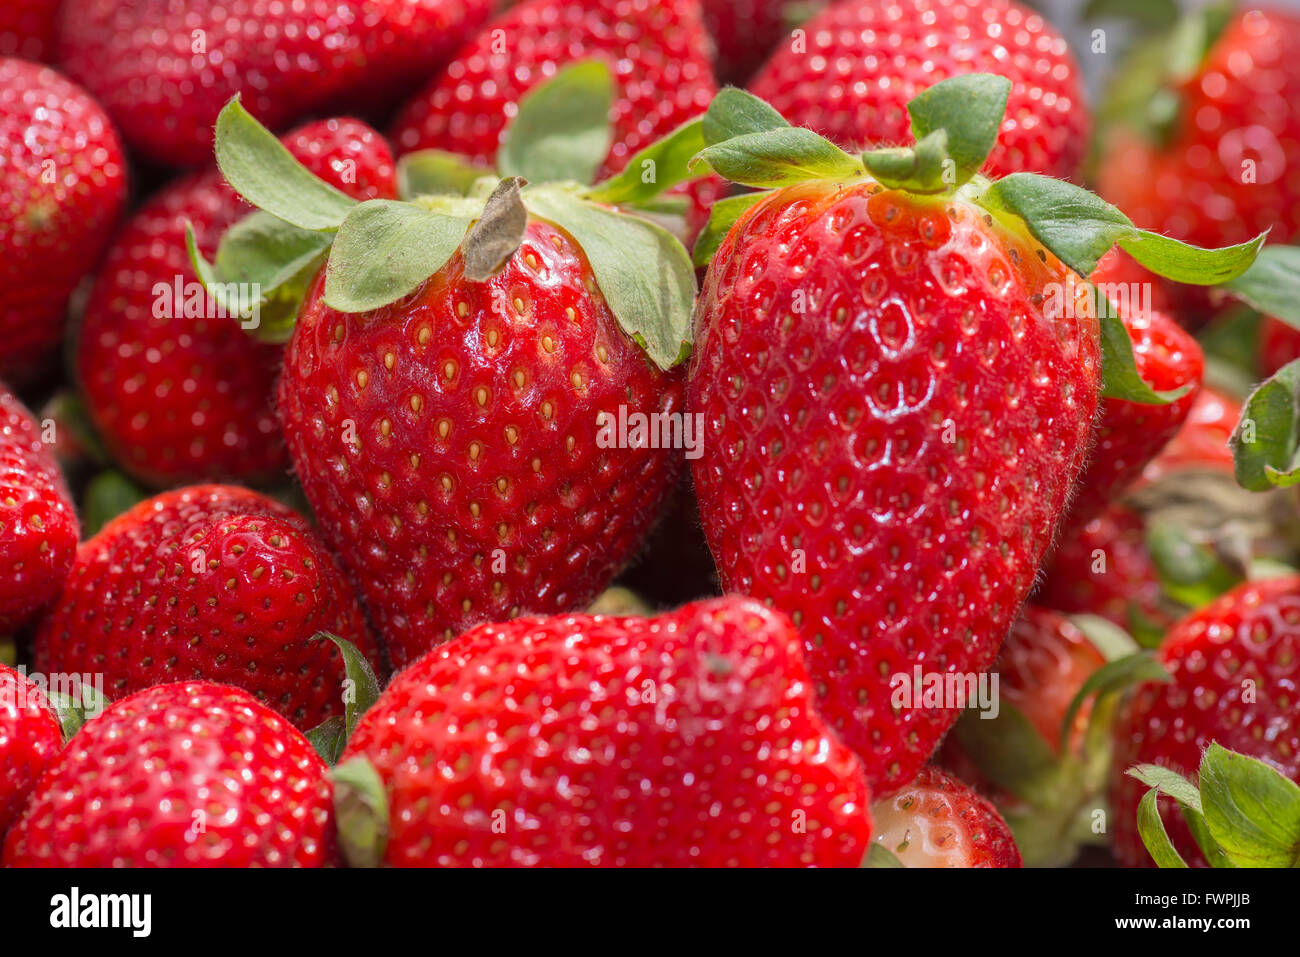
pixel 447 443
pixel 62 189
pixel 1202 442
pixel 1130 434
pixel 30 737
pixel 38 522
pixel 1103 567
pixel 937 821
pixel 851 73
pixel 181 775
pixel 212 583
pixel 1235 665
pixel 164 70
pixel 1279 344
pixel 688 739
pixel 658 53
pixel 745 31
pixel 189 399
pixel 1224 168
pixel 27 28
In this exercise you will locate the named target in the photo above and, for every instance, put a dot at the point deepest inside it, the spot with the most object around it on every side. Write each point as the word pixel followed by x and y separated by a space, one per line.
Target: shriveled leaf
pixel 492 240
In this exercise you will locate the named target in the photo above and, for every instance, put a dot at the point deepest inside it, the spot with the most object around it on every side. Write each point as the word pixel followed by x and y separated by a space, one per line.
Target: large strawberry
pixel 30 737
pixel 937 821
pixel 212 583
pixel 38 522
pixel 1235 667
pixel 178 391
pixel 165 69
pixel 462 407
pixel 62 189
pixel 658 53
pixel 849 72
pixel 27 28
pixel 684 740
pixel 893 421
pixel 181 775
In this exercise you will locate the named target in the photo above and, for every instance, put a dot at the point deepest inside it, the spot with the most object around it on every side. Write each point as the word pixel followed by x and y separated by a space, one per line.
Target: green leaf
pixel 1010 752
pixel 1079 227
pixel 1252 811
pixel 1171 782
pixel 262 270
pixel 493 239
pixel 436 172
pixel 1120 378
pixel 1148 13
pixel 1189 264
pixel 643 272
pixel 780 158
pixel 328 738
pixel 562 131
pixel 1272 284
pixel 1267 437
pixel 1111 678
pixel 1189 571
pixel 969 109
pixel 880 856
pixel 73 713
pixel 361 689
pixel 923 168
pixel 660 166
pixel 361 811
pixel 1107 637
pixel 266 174
pixel 1195 821
pixel 1153 833
pixel 734 112
pixel 384 250
pixel 722 217
pixel 108 495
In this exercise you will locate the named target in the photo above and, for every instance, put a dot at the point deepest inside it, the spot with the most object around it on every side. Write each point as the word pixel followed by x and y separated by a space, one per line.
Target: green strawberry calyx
pixel 1242 813
pixel 955 125
pixel 377 252
pixel 1054 788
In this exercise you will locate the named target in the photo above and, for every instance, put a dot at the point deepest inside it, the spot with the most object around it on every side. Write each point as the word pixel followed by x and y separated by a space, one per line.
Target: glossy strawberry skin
pixel 62 190
pixel 657 52
pixel 448 443
pixel 27 28
pixel 30 738
pixel 1242 105
pixel 38 521
pixel 1245 642
pixel 938 821
pixel 909 435
pixel 181 400
pixel 164 70
pixel 863 60
pixel 1131 434
pixel 688 739
pixel 135 609
pixel 181 775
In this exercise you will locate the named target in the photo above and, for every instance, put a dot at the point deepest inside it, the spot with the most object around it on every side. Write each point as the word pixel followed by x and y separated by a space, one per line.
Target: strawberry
pixel 657 51
pixel 937 821
pixel 745 31
pixel 1279 343
pixel 207 583
pixel 894 421
pixel 1235 665
pixel 458 401
pixel 62 189
pixel 190 398
pixel 687 739
pixel 164 69
pixel 1202 442
pixel 850 71
pixel 38 522
pixel 30 738
pixel 181 775
pixel 27 28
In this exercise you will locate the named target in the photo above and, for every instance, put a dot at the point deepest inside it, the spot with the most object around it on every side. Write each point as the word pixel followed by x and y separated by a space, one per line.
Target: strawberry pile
pixel 623 433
